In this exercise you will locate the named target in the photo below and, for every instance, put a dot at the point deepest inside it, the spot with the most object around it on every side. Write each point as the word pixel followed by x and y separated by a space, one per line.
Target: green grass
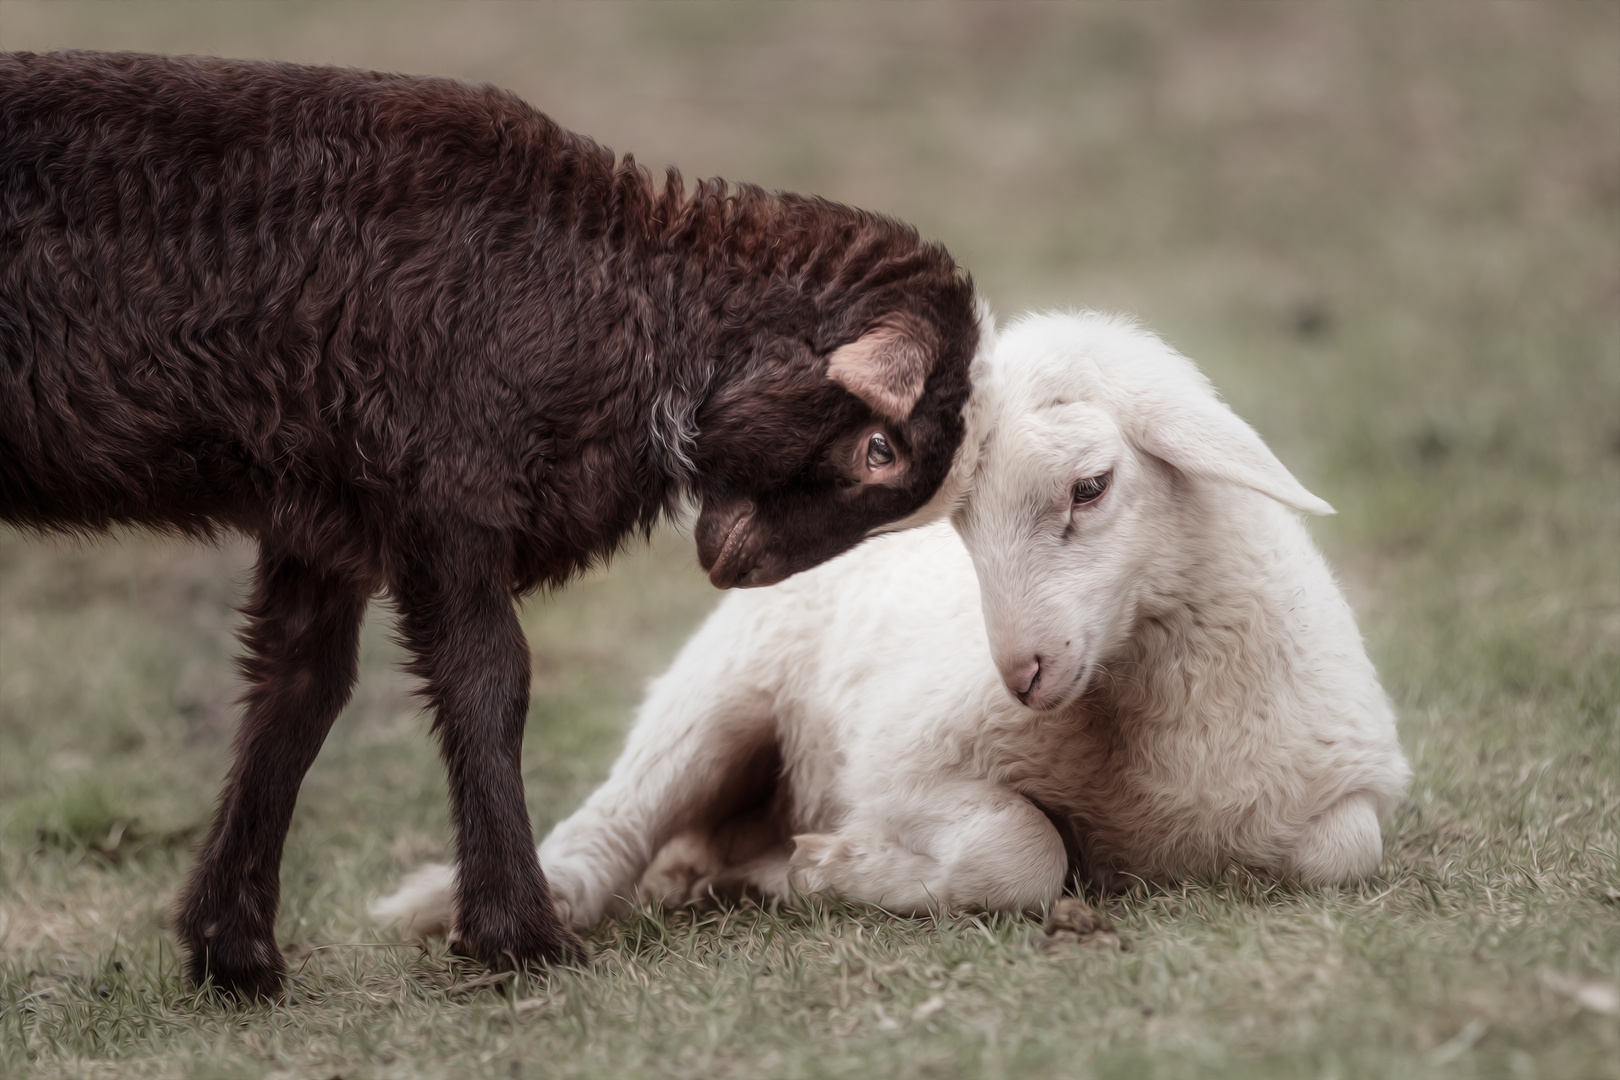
pixel 1392 236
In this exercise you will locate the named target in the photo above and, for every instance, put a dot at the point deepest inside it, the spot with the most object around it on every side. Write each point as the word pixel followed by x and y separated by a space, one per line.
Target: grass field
pixel 1392 236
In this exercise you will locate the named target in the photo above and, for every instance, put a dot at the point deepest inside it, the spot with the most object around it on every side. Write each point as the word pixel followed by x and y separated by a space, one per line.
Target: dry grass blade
pixel 1593 995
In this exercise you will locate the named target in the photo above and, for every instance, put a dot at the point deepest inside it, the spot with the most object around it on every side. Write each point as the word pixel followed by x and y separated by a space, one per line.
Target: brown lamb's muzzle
pixel 728 544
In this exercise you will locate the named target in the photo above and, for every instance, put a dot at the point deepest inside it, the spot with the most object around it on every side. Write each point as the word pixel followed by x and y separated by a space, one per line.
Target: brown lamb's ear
pixel 884 367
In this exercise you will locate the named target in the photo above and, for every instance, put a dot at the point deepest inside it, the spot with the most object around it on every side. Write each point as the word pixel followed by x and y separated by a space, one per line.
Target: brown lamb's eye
pixel 878 451
pixel 1091 489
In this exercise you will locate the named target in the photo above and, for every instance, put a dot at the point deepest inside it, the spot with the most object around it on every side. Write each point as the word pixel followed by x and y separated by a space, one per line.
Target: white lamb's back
pixel 850 634
pixel 902 662
pixel 872 656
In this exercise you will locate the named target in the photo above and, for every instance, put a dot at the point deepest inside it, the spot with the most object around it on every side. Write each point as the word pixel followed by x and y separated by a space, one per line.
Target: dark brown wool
pixel 413 336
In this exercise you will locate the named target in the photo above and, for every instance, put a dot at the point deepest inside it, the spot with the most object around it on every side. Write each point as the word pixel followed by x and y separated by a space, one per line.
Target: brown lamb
pixel 411 335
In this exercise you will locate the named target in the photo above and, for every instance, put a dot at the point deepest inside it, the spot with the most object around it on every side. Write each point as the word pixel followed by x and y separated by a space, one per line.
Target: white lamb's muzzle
pixel 1079 616
pixel 1064 653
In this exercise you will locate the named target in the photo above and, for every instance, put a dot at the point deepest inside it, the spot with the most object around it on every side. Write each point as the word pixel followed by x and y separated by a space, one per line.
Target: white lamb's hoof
pixel 816 856
pixel 673 877
pixel 1342 846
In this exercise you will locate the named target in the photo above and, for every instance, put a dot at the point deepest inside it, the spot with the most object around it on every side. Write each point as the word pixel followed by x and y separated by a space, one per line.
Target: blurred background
pixel 1390 233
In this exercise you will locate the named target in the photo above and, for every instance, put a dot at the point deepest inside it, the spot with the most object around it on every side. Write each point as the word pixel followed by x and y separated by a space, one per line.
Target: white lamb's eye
pixel 878 451
pixel 1091 488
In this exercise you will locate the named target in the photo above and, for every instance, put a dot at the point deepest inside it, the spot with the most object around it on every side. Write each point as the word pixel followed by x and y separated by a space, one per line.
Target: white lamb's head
pixel 1079 508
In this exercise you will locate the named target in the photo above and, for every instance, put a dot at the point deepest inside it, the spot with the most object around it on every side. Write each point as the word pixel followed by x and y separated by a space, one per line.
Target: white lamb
pixel 1139 667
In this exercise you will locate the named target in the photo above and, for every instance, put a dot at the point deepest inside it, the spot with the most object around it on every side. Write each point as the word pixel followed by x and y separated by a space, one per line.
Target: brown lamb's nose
pixel 1024 679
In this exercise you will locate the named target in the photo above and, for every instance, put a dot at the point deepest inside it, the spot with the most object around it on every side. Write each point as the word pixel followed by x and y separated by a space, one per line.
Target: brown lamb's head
pixel 818 439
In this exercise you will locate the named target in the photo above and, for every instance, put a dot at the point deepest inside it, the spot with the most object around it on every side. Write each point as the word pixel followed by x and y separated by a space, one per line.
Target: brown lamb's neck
pixel 714 264
pixel 745 252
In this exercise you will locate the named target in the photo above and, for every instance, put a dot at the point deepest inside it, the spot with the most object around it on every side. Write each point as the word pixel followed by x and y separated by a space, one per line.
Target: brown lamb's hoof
pixel 538 952
pixel 244 971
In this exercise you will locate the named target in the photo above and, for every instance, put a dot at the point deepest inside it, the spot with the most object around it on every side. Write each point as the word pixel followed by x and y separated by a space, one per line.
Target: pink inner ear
pixel 885 368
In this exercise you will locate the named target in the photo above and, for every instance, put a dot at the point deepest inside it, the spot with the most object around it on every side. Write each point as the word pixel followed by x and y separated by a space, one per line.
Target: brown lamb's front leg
pixel 302 638
pixel 456 616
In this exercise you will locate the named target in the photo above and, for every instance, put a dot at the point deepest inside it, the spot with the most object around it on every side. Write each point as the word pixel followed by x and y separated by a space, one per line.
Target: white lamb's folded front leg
pixel 966 847
pixel 704 726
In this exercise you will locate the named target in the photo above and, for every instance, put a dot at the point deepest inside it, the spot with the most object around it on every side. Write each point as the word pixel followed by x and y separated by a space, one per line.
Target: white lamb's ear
pixel 1182 421
pixel 884 367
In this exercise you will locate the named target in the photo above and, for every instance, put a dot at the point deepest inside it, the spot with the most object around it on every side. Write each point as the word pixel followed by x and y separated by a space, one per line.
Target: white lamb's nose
pixel 1022 680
